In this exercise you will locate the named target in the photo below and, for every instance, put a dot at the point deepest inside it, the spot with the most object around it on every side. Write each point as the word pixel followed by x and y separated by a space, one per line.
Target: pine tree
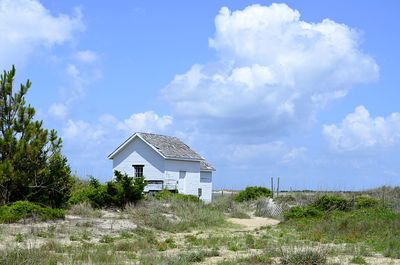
pixel 31 164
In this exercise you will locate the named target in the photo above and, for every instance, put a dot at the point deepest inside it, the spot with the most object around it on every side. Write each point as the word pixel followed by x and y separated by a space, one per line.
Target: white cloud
pixel 58 111
pixel 145 122
pixel 108 126
pixel 359 130
pixel 81 131
pixel 89 143
pixel 79 79
pixel 86 56
pixel 26 25
pixel 276 152
pixel 274 74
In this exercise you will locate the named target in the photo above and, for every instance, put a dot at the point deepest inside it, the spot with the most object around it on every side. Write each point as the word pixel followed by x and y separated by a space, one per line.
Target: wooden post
pixel 272 186
pixel 277 188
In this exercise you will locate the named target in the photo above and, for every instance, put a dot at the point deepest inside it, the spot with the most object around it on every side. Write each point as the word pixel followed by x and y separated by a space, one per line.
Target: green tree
pixel 31 164
pixel 131 187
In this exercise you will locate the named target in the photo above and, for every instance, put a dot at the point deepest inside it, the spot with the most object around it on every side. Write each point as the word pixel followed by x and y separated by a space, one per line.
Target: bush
pixel 300 212
pixel 23 209
pixel 366 202
pixel 294 212
pixel 116 193
pixel 252 193
pixel 332 202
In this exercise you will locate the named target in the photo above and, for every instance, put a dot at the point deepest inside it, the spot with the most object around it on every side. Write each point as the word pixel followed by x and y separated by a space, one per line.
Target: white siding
pixel 138 152
pixel 192 177
pixel 206 185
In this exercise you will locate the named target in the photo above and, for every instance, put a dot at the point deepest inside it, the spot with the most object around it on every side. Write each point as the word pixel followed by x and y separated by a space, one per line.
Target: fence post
pixel 277 188
pixel 272 186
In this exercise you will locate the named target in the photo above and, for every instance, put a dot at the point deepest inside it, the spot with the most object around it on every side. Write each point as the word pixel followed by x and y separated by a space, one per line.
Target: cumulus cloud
pixel 58 111
pixel 145 122
pixel 107 125
pixel 89 143
pixel 26 25
pixel 275 72
pixel 79 79
pixel 86 56
pixel 82 131
pixel 359 130
pixel 275 152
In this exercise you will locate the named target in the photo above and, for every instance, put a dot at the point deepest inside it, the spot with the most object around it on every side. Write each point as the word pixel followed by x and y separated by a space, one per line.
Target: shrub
pixel 294 212
pixel 366 202
pixel 23 209
pixel 300 212
pixel 304 257
pixel 251 193
pixel 311 211
pixel 115 193
pixel 332 202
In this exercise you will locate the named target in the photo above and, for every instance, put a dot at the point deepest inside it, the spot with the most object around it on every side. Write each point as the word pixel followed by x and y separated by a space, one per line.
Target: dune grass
pixel 176 215
pixel 379 227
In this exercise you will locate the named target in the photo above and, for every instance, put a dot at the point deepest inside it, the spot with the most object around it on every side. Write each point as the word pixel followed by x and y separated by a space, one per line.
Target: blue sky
pixel 302 90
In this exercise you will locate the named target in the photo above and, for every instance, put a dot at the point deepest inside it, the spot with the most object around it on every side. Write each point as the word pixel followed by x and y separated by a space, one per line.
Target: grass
pixel 304 257
pixel 358 260
pixel 181 231
pixel 84 209
pixel 378 227
pixel 175 215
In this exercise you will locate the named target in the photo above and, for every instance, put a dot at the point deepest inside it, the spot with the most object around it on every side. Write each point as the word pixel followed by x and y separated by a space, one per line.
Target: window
pixel 138 170
pixel 182 174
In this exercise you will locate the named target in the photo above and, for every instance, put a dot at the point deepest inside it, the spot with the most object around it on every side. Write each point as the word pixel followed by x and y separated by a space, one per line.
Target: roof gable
pixel 168 147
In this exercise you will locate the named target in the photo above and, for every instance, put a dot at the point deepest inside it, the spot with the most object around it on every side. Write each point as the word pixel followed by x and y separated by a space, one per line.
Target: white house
pixel 166 163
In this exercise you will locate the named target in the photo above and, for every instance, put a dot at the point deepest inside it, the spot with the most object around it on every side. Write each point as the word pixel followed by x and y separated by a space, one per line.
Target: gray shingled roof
pixel 173 147
pixel 170 147
pixel 204 165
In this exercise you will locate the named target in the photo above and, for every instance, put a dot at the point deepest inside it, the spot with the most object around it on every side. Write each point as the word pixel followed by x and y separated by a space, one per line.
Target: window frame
pixel 138 170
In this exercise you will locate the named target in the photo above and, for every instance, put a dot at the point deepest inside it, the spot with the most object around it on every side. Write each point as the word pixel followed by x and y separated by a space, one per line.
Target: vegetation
pixel 304 257
pixel 358 260
pixel 23 210
pixel 171 229
pixel 252 193
pixel 118 192
pixel 31 164
pixel 176 215
pixel 336 219
pixel 172 196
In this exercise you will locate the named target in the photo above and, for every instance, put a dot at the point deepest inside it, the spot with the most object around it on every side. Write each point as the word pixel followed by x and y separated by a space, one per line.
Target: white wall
pixel 206 185
pixel 138 152
pixel 191 182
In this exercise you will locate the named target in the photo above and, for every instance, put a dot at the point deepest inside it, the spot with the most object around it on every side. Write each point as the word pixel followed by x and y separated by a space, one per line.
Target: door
pixel 181 181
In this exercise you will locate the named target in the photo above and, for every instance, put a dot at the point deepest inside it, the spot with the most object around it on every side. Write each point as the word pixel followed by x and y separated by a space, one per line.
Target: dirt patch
pixel 254 222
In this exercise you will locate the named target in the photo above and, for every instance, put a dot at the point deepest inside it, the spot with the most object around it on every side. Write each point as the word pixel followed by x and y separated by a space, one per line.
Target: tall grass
pixel 377 226
pixel 176 215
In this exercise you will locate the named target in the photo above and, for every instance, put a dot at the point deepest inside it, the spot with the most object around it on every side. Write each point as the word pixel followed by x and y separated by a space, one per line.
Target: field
pixel 179 231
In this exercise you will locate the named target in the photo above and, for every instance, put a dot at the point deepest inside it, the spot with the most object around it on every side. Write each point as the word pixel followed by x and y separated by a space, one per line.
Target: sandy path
pixel 254 222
